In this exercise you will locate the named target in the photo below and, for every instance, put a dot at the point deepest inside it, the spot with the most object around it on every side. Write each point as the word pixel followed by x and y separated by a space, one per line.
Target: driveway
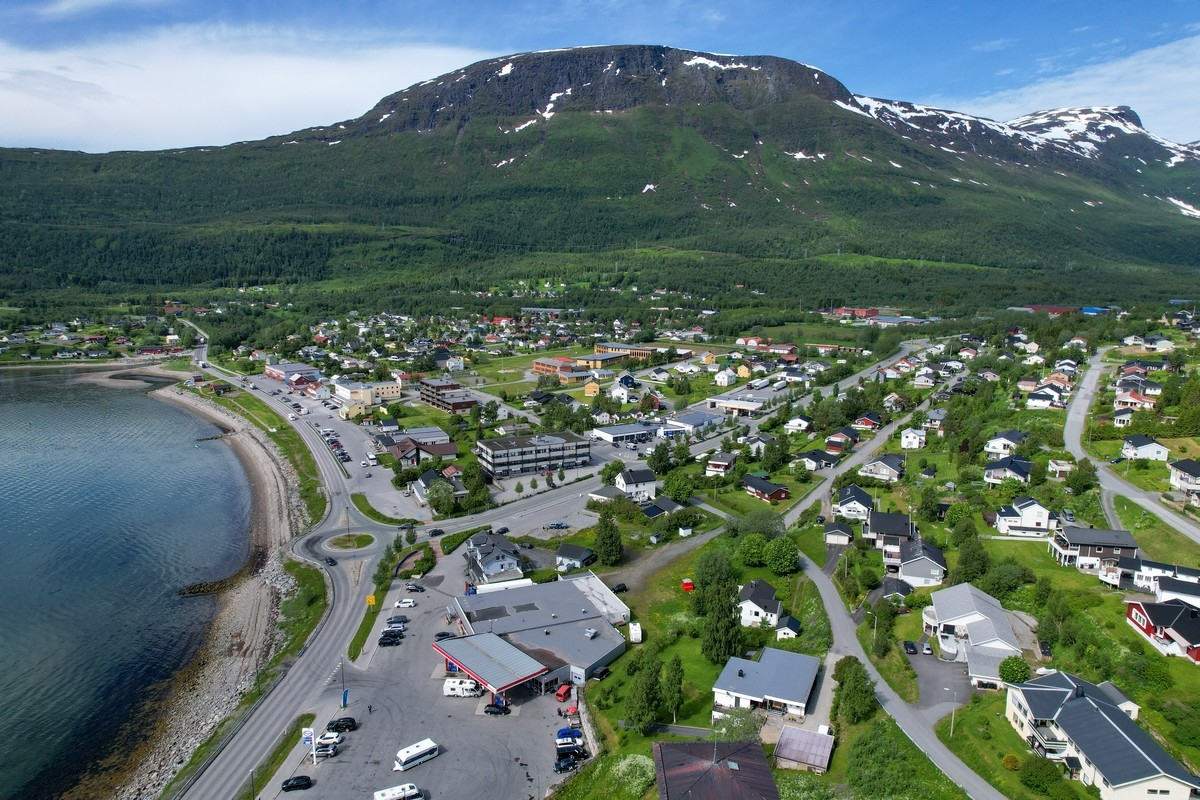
pixel 934 677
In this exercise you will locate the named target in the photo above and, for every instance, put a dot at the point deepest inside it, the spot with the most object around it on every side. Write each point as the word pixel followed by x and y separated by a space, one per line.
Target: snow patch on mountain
pixel 701 61
pixel 1186 209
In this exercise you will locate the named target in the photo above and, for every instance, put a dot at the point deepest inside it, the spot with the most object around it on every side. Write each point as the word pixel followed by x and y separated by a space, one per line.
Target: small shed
pixel 804 750
pixel 687 585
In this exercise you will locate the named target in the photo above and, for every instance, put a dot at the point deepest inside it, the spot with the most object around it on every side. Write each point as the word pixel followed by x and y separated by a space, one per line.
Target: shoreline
pixel 184 711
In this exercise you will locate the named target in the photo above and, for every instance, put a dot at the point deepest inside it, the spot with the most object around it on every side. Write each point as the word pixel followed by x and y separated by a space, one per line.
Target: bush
pixel 1012 762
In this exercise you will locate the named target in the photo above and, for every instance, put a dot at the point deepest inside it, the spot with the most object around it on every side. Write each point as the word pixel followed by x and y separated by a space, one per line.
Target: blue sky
pixel 99 75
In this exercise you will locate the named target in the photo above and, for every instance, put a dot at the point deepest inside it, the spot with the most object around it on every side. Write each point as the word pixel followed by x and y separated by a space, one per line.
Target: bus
pixel 415 754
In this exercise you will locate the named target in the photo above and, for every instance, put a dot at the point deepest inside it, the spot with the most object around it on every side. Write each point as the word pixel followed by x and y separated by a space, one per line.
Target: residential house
pixel 720 464
pixel 879 525
pixel 1091 548
pixel 841 441
pixel 428 478
pixel 777 681
pixel 814 460
pixel 912 439
pixel 1140 446
pixel 1122 417
pixel 491 558
pixel 971 626
pixel 573 556
pixel 757 443
pixel 1042 400
pixel 703 770
pixel 1171 627
pixel 935 420
pixel 1092 731
pixel 1008 467
pixel 868 421
pixel 638 484
pixel 1133 400
pixel 853 502
pixel 1185 476
pixel 798 424
pixel 725 378
pixel 888 467
pixel 764 489
pixel 757 604
pixel 921 563
pixel 1004 443
pixel 1025 517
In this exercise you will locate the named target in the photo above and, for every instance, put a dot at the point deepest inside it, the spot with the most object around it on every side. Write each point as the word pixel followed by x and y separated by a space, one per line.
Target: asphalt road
pixel 1111 482
pixel 313 683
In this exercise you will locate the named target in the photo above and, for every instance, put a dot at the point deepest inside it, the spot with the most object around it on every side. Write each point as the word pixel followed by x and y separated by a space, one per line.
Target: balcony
pixel 1045 740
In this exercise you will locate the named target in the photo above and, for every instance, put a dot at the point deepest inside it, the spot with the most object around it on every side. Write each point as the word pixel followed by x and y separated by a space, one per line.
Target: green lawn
pixel 894 667
pixel 1158 540
pixel 982 738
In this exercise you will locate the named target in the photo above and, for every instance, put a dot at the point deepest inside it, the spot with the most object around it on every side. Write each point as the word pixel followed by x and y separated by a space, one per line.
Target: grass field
pixel 1158 540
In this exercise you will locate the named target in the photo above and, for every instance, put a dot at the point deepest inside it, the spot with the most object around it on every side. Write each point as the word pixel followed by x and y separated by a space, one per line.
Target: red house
pixel 1172 627
pixel 764 489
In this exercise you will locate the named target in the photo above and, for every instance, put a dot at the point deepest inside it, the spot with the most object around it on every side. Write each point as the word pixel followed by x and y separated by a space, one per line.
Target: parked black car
pixel 567 764
pixel 619 588
pixel 342 724
pixel 1044 648
pixel 910 648
pixel 389 641
pixel 298 782
pixel 500 531
pixel 443 635
pixel 496 710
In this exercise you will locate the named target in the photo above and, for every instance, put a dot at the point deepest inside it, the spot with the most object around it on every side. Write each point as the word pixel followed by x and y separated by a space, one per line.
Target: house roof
pixel 804 747
pixel 761 593
pixel 915 549
pixel 1181 617
pixel 1108 737
pixel 895 586
pixel 713 771
pixel 637 475
pixel 1097 537
pixel 761 484
pixel 574 552
pixel 838 527
pixel 1139 440
pixel 981 613
pixel 1011 463
pixel 887 524
pixel 777 674
pixel 661 505
pixel 788 622
pixel 853 492
pixel 1011 436
pixel 890 460
pixel 1187 466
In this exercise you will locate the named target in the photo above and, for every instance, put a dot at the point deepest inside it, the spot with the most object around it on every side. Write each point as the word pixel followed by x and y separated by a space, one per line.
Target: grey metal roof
pixel 495 662
pixel 777 674
pixel 1121 750
pixel 713 771
pixel 804 747
pixel 1098 537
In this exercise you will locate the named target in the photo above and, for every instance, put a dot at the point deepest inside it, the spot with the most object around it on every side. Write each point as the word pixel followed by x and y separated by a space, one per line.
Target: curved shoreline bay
pixel 120 505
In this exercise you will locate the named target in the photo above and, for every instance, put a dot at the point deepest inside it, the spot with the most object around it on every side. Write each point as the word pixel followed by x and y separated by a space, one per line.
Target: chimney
pixel 741 673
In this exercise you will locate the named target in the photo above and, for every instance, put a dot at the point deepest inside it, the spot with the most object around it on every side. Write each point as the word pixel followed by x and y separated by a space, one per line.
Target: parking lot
pixel 512 755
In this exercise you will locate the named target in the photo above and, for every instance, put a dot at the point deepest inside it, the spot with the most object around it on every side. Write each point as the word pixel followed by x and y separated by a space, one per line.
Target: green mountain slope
pixel 627 164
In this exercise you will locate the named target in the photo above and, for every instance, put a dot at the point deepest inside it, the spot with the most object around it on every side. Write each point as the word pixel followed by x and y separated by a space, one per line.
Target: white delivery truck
pixel 461 687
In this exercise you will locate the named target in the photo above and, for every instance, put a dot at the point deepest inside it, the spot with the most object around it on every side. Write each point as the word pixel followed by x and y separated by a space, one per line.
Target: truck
pixel 460 687
pixel 372 460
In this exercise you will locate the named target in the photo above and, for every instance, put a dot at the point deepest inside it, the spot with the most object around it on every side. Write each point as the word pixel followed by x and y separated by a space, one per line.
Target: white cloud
pixel 992 46
pixel 201 86
pixel 70 8
pixel 1159 84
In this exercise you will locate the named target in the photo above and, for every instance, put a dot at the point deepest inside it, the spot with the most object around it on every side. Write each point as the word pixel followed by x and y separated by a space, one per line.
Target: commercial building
pixel 446 395
pixel 517 455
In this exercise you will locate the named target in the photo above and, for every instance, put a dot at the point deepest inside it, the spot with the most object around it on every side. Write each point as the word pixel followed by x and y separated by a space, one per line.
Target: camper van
pixel 415 754
pixel 407 791
pixel 461 687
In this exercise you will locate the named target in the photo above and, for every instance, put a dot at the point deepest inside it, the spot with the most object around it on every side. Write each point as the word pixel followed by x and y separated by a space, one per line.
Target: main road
pixel 305 685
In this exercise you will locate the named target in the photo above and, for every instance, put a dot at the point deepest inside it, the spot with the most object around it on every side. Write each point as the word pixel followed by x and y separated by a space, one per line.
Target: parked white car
pixel 405 602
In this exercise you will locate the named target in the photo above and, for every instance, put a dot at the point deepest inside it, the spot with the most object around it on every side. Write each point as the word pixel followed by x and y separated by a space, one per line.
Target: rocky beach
pixel 244 634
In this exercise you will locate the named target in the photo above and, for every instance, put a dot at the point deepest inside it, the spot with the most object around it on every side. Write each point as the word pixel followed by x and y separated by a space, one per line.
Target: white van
pixel 292 417
pixel 407 791
pixel 461 687
pixel 415 754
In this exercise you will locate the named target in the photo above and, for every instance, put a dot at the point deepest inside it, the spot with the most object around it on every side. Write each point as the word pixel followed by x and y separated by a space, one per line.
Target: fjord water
pixel 109 505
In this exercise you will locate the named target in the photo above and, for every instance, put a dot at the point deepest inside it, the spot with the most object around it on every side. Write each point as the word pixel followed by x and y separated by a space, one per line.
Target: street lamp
pixel 875 627
pixel 953 708
pixel 342 670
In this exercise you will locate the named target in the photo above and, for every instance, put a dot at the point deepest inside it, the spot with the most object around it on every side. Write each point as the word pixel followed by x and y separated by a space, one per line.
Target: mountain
pixel 612 166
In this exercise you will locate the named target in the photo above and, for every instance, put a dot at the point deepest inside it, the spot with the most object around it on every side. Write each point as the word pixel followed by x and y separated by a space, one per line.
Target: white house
pixel 758 606
pixel 798 424
pixel 921 563
pixel 852 502
pixel 912 439
pixel 1122 418
pixel 971 625
pixel 638 484
pixel 1003 443
pixel 1092 730
pixel 1139 446
pixel 887 467
pixel 1025 517
pixel 1185 475
pixel 725 378
pixel 778 681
